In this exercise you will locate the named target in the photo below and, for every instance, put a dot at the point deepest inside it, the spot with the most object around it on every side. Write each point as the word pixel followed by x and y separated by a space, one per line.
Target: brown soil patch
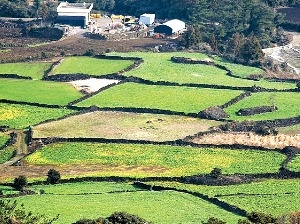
pixel 250 139
pixel 40 171
pixel 75 45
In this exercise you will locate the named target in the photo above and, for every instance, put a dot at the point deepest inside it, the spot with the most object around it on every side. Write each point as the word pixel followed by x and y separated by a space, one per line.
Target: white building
pixel 171 27
pixel 147 19
pixel 74 13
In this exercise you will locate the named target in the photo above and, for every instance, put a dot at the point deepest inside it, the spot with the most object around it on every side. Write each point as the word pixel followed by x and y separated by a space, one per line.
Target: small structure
pixel 171 27
pixel 147 19
pixel 74 14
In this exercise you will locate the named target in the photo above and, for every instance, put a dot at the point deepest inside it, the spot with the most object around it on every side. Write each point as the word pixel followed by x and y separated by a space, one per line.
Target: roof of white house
pixel 71 7
pixel 148 15
pixel 175 24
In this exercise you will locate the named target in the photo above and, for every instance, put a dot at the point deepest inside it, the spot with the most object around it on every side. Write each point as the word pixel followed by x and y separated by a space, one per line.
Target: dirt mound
pixel 213 113
pixel 256 110
pixel 219 181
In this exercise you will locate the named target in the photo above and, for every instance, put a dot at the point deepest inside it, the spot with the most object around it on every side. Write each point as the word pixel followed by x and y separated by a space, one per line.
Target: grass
pixel 35 70
pixel 151 160
pixel 5 153
pixel 287 103
pixel 181 99
pixel 6 190
pixel 119 125
pixel 294 165
pixel 160 207
pixel 84 188
pixel 276 205
pixel 159 67
pixel 290 130
pixel 266 196
pixel 22 116
pixel 91 66
pixel 241 71
pixel 38 91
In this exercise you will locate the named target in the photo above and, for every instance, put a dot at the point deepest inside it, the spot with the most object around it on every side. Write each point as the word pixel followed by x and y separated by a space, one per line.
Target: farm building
pixel 147 19
pixel 74 14
pixel 171 27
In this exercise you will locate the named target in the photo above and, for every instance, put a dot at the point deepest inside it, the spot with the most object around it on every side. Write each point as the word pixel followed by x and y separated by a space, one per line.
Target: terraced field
pixel 147 128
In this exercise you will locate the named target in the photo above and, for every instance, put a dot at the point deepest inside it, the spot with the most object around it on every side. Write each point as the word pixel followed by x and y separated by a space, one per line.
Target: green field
pixel 22 116
pixel 159 67
pixel 269 196
pixel 150 160
pixel 287 103
pixel 8 190
pixel 90 66
pixel 35 70
pixel 160 207
pixel 38 91
pixel 294 165
pixel 241 71
pixel 5 153
pixel 181 99
pixel 84 188
pixel 120 125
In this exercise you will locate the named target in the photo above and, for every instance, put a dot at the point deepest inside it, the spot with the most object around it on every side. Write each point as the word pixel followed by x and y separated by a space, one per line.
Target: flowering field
pixel 22 116
pixel 149 160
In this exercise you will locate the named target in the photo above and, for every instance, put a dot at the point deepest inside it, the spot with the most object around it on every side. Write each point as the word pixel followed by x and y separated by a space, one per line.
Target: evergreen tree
pixel 252 52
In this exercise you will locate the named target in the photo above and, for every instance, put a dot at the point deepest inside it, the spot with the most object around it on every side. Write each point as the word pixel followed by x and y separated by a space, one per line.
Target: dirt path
pixel 21 149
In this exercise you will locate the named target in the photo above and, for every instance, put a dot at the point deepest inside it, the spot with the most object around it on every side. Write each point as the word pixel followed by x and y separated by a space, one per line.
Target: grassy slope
pixel 90 66
pixel 287 104
pixel 159 67
pixel 160 207
pixel 21 116
pixel 118 125
pixel 37 91
pixel 149 160
pixel 181 99
pixel 33 69
pixel 5 153
pixel 277 197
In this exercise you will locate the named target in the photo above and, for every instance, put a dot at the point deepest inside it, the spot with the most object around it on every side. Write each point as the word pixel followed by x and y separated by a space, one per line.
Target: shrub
pixel 213 220
pixel 124 218
pixel 20 182
pixel 261 218
pixel 53 176
pixel 216 172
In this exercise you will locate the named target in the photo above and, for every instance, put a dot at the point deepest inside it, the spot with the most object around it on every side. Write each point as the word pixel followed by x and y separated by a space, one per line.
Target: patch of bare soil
pixel 92 85
pixel 249 139
pixel 73 45
pixel 38 171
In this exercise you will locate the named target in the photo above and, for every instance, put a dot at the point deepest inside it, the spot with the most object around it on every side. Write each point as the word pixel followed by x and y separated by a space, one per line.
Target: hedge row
pixel 254 126
pixel 52 67
pixel 39 104
pixel 14 76
pixel 236 99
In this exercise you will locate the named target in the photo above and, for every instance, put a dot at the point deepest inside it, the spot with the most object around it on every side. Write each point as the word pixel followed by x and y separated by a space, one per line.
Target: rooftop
pixel 67 5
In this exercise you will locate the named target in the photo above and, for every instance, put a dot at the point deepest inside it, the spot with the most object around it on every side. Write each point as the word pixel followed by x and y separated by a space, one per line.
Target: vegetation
pixel 53 176
pixel 148 160
pixel 179 206
pixel 12 213
pixel 285 101
pixel 119 125
pixel 6 154
pixel 192 100
pixel 91 66
pixel 275 197
pixel 20 182
pixel 37 91
pixel 84 188
pixel 163 69
pixel 22 116
pixel 35 70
